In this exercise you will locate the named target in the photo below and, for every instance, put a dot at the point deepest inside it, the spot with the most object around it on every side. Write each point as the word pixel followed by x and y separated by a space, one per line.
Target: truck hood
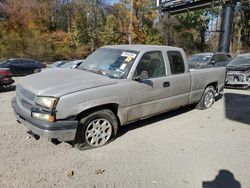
pixel 246 72
pixel 59 82
pixel 240 69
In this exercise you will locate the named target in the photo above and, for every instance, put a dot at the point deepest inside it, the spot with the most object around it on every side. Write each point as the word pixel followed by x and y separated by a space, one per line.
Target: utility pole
pixel 131 23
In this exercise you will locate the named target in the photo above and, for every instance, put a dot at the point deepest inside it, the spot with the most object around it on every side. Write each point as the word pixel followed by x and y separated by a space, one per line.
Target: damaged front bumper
pixel 6 81
pixel 63 130
pixel 243 85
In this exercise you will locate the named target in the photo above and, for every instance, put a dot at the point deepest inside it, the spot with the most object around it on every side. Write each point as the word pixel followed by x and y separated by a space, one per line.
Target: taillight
pixel 5 72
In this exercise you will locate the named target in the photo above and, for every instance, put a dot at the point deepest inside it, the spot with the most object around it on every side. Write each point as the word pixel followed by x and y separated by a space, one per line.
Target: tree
pixel 241 31
pixel 195 21
pixel 117 26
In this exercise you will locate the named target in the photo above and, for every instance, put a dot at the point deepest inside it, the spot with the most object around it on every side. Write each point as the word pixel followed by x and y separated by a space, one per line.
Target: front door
pixel 149 95
pixel 15 67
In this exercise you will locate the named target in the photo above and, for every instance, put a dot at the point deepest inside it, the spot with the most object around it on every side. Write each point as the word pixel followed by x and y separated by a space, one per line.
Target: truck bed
pixel 200 78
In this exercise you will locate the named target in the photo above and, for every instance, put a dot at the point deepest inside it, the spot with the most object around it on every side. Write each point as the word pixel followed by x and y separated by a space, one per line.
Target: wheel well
pixel 111 106
pixel 215 86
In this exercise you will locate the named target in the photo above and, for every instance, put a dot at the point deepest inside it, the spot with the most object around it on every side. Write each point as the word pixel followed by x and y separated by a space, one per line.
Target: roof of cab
pixel 140 47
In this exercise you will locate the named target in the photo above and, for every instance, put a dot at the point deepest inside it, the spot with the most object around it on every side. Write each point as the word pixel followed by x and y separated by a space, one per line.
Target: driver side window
pixel 153 64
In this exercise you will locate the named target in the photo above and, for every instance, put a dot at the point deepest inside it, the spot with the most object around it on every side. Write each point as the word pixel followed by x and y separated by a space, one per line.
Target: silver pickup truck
pixel 114 86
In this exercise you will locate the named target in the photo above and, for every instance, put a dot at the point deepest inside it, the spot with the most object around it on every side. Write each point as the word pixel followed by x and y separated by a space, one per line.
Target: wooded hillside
pixel 50 30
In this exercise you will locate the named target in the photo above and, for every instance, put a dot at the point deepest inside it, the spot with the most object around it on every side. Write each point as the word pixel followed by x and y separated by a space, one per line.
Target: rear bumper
pixel 64 130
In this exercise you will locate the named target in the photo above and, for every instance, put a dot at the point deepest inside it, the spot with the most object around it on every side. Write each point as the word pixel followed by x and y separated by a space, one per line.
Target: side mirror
pixel 142 76
pixel 213 62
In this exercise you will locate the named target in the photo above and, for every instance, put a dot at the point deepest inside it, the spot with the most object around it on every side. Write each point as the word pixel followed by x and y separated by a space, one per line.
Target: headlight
pixel 241 78
pixel 47 102
pixel 44 117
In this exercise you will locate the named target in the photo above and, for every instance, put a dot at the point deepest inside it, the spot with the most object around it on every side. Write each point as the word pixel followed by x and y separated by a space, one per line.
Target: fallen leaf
pixel 71 173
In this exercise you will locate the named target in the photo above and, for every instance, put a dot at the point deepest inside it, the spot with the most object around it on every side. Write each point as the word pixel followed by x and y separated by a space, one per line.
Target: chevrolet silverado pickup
pixel 114 86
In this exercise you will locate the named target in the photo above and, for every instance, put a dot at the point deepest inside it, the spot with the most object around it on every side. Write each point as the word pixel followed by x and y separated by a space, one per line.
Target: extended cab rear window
pixel 176 62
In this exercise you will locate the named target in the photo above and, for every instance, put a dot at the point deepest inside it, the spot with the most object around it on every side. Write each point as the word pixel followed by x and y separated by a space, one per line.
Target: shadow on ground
pixel 237 107
pixel 138 124
pixel 7 89
pixel 225 179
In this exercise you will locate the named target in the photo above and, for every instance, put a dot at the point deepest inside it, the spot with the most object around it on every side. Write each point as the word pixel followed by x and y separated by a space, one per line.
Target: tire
pixel 37 70
pixel 96 129
pixel 207 99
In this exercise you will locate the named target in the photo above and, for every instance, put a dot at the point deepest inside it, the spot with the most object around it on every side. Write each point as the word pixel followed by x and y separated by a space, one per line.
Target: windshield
pixel 114 63
pixel 240 61
pixel 201 58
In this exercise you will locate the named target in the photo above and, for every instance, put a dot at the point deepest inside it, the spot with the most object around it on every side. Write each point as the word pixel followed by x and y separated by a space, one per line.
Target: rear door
pixel 179 79
pixel 150 95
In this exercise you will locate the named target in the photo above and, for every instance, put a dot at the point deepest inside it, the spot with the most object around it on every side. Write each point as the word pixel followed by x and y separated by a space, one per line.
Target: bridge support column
pixel 226 28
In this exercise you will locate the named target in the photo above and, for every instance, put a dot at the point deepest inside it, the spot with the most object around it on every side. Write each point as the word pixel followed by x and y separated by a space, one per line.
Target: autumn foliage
pixel 49 30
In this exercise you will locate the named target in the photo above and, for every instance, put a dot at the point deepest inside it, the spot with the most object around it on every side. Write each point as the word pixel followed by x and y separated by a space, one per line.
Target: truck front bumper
pixel 64 130
pixel 237 84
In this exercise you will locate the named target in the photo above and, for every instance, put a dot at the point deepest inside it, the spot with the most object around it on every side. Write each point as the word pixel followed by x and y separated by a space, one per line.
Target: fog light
pixel 44 117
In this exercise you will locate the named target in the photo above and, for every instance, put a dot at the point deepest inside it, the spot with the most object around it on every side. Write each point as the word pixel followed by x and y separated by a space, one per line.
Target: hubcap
pixel 209 99
pixel 98 132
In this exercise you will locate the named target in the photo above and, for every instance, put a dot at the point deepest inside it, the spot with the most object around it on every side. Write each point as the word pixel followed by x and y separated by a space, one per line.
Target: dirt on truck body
pixel 114 86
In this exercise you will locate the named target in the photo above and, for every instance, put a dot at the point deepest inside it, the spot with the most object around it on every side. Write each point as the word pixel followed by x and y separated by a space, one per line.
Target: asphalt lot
pixel 185 148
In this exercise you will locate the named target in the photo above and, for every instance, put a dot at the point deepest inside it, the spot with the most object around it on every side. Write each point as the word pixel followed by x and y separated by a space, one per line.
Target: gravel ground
pixel 185 148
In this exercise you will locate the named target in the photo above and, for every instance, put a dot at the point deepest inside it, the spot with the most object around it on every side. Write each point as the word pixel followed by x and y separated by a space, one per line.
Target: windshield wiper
pixel 104 73
pixel 95 71
pixel 101 72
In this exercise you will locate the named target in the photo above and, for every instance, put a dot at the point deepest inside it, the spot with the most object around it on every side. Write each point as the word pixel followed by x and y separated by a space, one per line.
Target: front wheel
pixel 96 129
pixel 207 99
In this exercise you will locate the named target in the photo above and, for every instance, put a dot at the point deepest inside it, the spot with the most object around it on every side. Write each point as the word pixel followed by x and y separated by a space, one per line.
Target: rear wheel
pixel 207 99
pixel 36 70
pixel 96 129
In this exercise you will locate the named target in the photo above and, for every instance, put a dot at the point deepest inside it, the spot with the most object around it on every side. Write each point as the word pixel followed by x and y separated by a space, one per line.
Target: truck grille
pixel 230 78
pixel 24 93
pixel 236 78
pixel 25 97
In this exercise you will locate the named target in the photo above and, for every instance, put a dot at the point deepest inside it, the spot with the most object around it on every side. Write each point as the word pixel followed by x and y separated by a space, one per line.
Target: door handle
pixel 166 84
